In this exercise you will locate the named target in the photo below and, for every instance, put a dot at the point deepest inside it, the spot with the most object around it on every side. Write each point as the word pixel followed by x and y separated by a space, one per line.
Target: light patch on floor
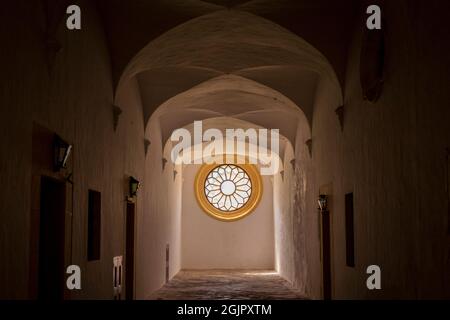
pixel 227 285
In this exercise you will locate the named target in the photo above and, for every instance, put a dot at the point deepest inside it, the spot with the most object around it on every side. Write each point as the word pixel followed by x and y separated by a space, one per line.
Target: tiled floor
pixel 224 285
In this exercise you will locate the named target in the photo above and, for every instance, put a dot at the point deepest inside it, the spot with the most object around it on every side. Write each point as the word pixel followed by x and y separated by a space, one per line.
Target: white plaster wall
pixel 391 155
pixel 292 214
pixel 283 220
pixel 161 223
pixel 325 178
pixel 208 243
pixel 75 100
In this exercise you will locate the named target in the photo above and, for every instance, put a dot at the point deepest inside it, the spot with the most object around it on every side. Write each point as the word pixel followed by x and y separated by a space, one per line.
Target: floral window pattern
pixel 228 187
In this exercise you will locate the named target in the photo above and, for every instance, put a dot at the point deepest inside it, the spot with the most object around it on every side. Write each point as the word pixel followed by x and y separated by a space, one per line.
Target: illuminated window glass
pixel 228 187
pixel 228 191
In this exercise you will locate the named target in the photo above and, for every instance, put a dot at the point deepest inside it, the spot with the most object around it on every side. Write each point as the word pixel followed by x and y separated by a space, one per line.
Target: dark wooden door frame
pixel 167 263
pixel 51 256
pixel 42 166
pixel 326 254
pixel 130 249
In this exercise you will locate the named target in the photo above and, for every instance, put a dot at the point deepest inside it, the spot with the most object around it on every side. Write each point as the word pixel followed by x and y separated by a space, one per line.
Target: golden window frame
pixel 228 216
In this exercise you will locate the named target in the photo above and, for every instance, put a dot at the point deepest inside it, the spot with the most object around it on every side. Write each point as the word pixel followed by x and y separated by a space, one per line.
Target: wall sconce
pixel 134 186
pixel 116 114
pixel 340 114
pixel 323 202
pixel 62 151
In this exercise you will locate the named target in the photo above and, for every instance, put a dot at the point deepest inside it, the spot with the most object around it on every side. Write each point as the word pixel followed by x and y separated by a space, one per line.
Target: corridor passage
pixel 227 285
pixel 175 149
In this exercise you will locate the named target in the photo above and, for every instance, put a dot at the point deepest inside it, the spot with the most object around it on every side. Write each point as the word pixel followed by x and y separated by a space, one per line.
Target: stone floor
pixel 227 285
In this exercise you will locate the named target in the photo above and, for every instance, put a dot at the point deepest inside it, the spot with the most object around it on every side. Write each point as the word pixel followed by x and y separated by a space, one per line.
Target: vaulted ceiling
pixel 231 96
pixel 181 49
pixel 325 24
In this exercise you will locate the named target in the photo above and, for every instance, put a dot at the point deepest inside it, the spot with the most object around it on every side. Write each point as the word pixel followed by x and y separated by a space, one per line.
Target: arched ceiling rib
pixel 160 84
pixel 224 123
pixel 228 42
pixel 130 25
pixel 234 97
pixel 227 3
pixel 294 82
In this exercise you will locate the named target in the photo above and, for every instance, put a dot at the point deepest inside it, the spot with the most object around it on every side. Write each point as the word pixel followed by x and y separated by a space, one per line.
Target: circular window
pixel 228 192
